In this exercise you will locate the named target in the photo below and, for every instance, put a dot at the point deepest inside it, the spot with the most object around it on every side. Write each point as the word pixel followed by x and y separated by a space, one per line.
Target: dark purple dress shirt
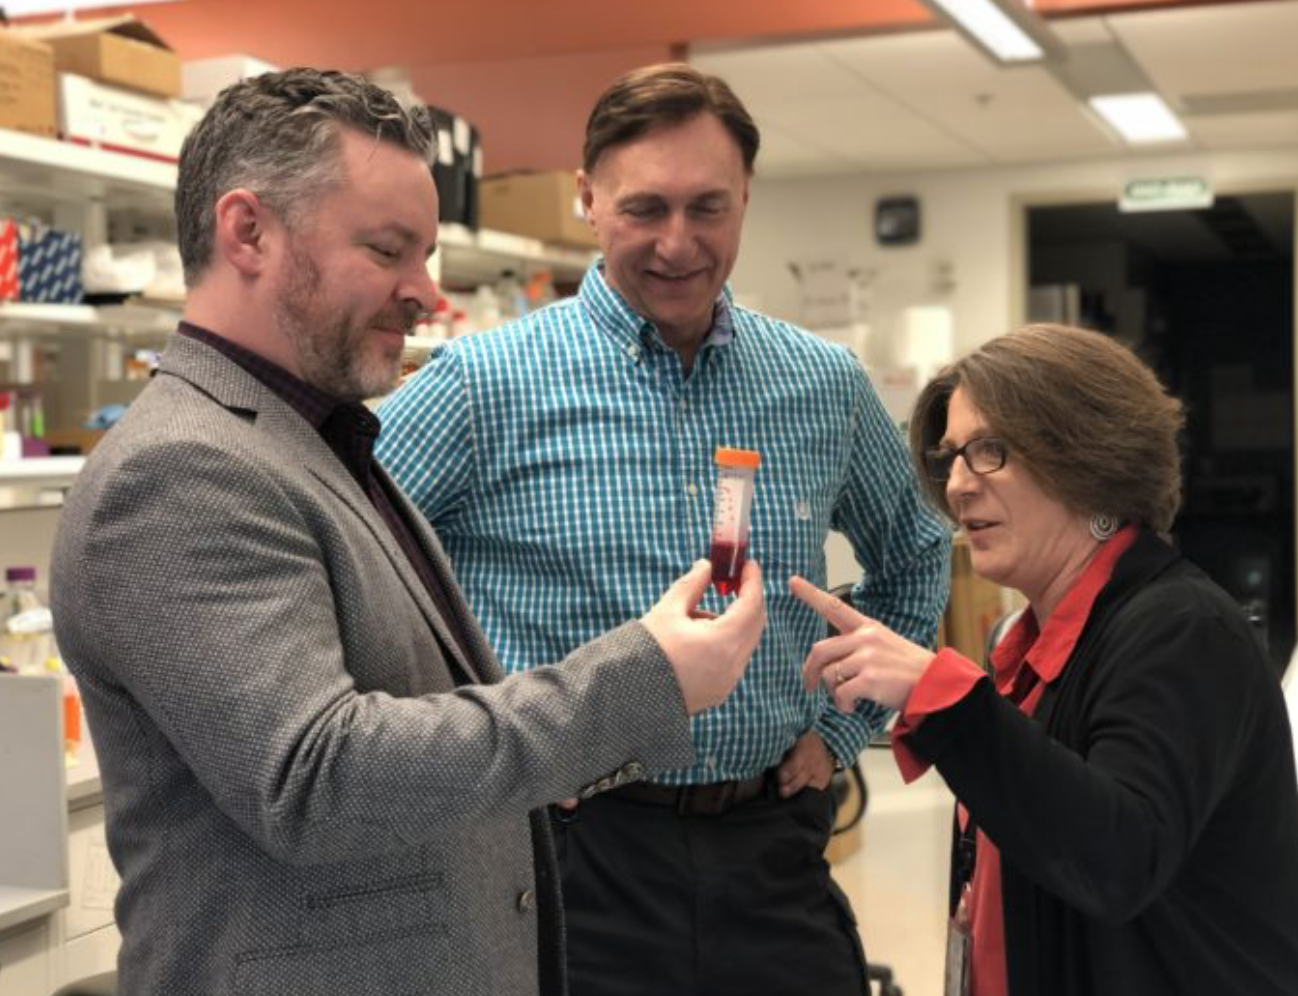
pixel 350 430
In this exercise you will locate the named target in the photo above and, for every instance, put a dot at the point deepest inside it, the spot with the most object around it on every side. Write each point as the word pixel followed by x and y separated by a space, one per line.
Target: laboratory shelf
pixel 54 471
pixel 469 258
pixel 54 318
pixel 45 169
pixel 19 905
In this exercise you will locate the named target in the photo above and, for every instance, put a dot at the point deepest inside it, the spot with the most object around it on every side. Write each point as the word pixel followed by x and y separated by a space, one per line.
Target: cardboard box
pixel 109 117
pixel 73 441
pixel 203 79
pixel 973 609
pixel 541 206
pixel 27 85
pixel 117 50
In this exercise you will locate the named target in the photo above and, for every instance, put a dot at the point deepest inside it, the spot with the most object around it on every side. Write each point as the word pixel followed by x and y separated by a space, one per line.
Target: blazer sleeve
pixel 199 586
pixel 1162 722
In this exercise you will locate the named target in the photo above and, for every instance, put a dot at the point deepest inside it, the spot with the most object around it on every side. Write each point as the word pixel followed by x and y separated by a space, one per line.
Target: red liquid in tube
pixel 732 503
pixel 727 565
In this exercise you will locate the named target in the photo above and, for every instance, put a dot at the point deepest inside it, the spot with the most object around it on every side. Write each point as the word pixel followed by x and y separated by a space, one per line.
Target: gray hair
pixel 277 135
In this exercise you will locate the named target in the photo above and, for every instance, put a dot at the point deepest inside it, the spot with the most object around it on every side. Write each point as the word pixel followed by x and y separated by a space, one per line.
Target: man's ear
pixel 240 232
pixel 585 190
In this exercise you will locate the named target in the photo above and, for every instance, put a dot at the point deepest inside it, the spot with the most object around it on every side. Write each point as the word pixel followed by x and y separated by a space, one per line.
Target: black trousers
pixel 740 904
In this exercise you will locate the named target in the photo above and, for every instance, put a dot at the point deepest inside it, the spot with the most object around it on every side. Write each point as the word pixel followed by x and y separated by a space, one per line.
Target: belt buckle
pixel 684 796
pixel 725 800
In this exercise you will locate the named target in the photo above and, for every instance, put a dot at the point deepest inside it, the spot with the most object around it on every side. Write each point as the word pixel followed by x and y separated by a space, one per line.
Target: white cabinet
pixel 26 968
pixel 57 884
pixel 92 880
pixel 33 849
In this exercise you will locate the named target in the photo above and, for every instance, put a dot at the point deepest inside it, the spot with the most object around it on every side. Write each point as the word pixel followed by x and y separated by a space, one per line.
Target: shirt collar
pixel 309 401
pixel 631 331
pixel 1047 650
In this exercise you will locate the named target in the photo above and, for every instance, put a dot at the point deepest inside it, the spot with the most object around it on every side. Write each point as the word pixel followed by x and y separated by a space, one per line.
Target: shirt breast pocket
pixel 788 534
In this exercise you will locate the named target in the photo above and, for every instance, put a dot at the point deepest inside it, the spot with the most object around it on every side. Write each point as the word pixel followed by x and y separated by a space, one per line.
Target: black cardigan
pixel 1147 814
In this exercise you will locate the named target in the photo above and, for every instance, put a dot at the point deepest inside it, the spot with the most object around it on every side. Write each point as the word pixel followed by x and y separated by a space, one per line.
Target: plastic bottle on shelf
pixel 484 308
pixel 511 296
pixel 71 710
pixel 11 440
pixel 28 637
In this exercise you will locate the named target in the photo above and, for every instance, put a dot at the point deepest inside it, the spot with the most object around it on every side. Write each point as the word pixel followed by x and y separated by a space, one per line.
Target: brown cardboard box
pixel 73 440
pixel 27 85
pixel 974 607
pixel 541 206
pixel 117 50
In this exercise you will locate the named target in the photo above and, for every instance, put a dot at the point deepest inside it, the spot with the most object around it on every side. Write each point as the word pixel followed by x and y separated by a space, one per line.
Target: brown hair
pixel 1085 417
pixel 665 94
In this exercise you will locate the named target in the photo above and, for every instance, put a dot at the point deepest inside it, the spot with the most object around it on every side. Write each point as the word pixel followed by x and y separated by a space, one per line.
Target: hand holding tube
pixel 866 660
pixel 708 654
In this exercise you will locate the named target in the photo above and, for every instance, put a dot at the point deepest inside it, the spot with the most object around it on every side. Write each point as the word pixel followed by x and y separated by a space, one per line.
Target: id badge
pixel 959 944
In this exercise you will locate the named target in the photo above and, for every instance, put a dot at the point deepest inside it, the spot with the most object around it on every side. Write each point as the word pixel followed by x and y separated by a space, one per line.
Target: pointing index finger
pixel 833 610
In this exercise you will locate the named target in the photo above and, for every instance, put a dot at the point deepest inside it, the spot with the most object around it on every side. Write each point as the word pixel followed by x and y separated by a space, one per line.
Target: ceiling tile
pixel 928 99
pixel 1007 114
pixel 783 154
pixel 868 128
pixel 1225 132
pixel 1218 48
pixel 775 72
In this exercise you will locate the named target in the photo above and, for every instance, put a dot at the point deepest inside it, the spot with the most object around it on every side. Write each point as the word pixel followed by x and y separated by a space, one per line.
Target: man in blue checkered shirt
pixel 566 462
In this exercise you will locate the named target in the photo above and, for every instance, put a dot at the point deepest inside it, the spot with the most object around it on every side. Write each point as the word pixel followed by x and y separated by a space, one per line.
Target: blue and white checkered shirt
pixel 566 462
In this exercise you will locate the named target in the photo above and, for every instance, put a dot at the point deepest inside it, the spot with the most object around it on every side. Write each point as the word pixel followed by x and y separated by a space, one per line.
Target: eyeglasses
pixel 984 455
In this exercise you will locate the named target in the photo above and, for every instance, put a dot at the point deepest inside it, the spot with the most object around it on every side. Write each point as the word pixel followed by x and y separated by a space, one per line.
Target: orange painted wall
pixel 356 35
pixel 531 111
pixel 524 71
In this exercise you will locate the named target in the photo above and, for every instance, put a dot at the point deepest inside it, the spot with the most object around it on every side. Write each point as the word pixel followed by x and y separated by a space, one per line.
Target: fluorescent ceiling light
pixel 1139 117
pixel 1005 29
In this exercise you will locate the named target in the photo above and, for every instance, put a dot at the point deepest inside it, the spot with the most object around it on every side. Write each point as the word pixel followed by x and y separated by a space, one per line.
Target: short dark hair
pixel 278 135
pixel 1088 420
pixel 665 94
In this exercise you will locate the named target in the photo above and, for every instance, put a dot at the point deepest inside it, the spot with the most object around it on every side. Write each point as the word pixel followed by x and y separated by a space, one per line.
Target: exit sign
pixel 1177 193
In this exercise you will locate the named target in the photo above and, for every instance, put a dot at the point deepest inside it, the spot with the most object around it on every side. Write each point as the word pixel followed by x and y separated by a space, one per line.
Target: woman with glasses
pixel 1128 818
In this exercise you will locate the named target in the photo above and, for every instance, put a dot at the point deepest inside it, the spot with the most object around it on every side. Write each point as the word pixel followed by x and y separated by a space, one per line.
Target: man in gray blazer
pixel 316 779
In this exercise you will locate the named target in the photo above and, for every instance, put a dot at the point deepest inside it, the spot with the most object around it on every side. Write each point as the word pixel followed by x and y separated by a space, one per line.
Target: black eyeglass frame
pixel 939 460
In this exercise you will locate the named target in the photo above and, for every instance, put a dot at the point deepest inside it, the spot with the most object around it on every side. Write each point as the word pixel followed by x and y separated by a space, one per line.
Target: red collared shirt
pixel 1024 663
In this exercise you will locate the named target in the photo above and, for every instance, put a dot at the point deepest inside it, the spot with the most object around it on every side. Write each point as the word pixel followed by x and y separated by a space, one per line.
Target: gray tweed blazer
pixel 299 798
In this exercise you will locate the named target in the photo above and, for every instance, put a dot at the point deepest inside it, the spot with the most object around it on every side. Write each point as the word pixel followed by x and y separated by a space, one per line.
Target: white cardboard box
pixel 109 117
pixel 203 79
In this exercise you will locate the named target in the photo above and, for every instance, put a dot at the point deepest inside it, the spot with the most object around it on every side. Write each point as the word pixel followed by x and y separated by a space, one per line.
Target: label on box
pixel 116 119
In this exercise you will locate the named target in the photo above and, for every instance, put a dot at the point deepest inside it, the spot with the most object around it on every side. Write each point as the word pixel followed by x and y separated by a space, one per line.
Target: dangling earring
pixel 1104 527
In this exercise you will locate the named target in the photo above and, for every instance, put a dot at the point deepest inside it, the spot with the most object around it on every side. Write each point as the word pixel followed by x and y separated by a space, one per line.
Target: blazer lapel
pixel 232 386
pixel 322 464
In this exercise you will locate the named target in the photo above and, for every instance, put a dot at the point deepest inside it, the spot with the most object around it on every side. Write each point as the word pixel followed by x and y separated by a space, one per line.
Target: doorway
pixel 1205 297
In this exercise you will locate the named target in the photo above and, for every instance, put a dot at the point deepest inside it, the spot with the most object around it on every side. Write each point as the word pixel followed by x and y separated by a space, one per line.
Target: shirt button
pixel 633 352
pixel 691 489
pixel 526 901
pixel 711 762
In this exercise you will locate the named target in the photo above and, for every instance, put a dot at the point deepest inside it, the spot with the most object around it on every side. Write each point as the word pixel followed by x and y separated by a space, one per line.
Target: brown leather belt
pixel 712 799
